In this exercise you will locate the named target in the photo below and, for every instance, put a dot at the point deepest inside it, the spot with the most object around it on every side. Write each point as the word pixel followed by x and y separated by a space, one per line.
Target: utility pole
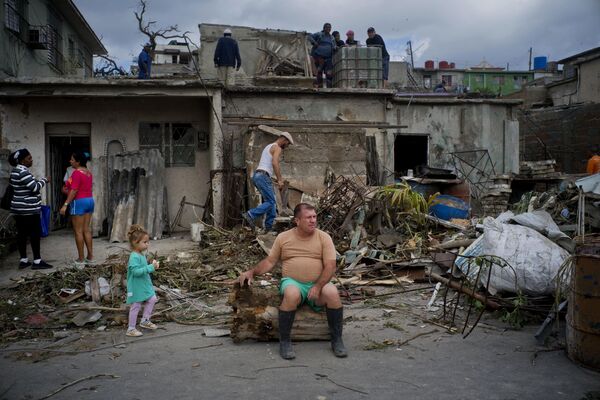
pixel 530 52
pixel 412 61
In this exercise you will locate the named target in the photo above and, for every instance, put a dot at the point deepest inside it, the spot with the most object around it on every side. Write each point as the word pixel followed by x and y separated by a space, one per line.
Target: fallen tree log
pixel 256 312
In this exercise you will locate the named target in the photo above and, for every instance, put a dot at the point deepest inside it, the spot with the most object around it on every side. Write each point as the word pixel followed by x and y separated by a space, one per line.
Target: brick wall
pixel 564 134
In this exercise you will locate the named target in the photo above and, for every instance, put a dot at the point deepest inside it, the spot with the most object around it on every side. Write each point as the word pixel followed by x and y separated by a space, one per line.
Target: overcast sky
pixel 462 31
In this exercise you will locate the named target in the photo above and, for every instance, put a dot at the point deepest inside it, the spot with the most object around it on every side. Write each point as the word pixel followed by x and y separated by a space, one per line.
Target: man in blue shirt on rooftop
pixel 145 62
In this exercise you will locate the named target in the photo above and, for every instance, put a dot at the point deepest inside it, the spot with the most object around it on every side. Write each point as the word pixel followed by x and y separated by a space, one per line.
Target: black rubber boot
pixel 335 319
pixel 286 320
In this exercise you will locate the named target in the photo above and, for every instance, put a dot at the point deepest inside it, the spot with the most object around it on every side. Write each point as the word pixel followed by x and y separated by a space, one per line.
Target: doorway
pixel 410 151
pixel 62 141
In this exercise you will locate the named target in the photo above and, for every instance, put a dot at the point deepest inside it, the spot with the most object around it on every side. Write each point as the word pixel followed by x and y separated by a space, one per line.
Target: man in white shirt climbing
pixel 267 167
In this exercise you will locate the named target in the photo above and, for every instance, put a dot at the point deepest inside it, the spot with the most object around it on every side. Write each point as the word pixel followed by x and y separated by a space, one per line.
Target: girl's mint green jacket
pixel 139 284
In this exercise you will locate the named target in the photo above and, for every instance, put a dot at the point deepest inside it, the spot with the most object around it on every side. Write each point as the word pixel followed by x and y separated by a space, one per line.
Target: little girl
pixel 139 284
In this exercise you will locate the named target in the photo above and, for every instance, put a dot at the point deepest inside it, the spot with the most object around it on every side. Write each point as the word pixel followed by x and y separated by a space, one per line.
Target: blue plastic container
pixel 45 217
pixel 447 207
pixel 539 63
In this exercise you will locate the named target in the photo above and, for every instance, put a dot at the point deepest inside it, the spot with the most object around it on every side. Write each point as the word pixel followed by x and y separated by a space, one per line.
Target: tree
pixel 148 28
pixel 109 68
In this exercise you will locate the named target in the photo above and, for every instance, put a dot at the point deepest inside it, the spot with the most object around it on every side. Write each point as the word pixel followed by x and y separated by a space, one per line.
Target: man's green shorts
pixel 304 288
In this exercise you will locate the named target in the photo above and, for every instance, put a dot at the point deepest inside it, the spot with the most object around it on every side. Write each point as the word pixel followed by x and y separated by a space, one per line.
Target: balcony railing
pixel 56 59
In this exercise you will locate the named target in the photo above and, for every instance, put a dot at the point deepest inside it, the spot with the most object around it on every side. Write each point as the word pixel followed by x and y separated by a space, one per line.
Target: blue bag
pixel 45 217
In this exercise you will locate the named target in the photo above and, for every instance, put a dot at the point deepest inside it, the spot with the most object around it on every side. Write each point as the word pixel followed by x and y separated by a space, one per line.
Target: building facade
pixel 580 81
pixel 496 82
pixel 46 39
pixel 174 58
pixel 429 76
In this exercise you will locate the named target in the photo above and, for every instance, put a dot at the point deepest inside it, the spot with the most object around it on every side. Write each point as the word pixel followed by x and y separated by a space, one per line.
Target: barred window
pixel 14 16
pixel 176 141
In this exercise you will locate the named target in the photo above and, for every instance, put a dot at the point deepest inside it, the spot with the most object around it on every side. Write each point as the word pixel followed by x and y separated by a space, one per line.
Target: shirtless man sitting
pixel 308 265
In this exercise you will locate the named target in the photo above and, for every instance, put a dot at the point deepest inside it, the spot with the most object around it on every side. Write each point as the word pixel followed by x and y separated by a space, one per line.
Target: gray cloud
pixel 463 31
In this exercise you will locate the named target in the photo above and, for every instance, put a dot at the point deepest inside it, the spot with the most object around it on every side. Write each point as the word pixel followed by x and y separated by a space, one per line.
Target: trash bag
pixel 45 217
pixel 542 222
pixel 534 259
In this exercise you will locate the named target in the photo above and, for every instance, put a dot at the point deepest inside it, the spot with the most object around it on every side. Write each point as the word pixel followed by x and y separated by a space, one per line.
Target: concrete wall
pixel 566 134
pixel 531 95
pixel 302 107
pixel 452 125
pixel 22 123
pixel 308 105
pixel 589 88
pixel 315 150
pixel 19 60
pixel 461 126
pixel 564 93
pixel 398 76
pixel 249 39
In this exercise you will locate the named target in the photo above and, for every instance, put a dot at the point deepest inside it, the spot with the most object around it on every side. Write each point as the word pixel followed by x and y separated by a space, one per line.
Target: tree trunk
pixel 255 316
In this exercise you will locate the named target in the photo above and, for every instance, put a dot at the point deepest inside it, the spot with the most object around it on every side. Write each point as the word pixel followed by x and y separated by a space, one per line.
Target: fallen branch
pixel 340 385
pixel 280 367
pixel 206 347
pixel 466 290
pixel 402 343
pixel 87 378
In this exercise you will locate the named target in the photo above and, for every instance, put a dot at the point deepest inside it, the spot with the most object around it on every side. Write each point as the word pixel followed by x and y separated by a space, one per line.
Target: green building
pixel 493 80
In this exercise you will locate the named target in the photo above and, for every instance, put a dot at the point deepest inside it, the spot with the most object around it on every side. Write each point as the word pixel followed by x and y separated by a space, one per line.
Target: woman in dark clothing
pixel 25 207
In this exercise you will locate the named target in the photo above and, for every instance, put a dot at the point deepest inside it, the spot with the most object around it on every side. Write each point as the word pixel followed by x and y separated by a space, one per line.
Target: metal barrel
pixel 583 315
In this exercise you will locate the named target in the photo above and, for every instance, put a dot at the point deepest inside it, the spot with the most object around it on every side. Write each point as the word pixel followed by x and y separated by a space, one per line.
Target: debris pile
pixel 93 297
pixel 391 236
pixel 496 198
pixel 539 169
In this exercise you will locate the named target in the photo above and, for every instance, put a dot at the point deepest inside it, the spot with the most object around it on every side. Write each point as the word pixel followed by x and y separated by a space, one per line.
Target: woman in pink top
pixel 79 197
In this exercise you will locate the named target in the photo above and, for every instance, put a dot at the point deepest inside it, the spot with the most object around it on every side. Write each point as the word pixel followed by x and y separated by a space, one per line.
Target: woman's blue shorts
pixel 82 206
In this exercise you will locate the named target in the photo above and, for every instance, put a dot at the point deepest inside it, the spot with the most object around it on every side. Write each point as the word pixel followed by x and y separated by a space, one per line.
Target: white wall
pixel 463 126
pixel 22 125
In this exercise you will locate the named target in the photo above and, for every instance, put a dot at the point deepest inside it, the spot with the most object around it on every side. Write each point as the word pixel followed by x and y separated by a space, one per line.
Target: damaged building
pixel 210 136
pixel 559 117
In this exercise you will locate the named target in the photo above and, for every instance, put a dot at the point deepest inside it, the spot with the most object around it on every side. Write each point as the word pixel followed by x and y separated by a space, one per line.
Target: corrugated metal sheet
pixel 130 189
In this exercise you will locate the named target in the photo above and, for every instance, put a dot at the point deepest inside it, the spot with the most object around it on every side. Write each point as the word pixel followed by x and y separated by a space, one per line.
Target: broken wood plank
pixel 270 130
pixel 255 316
pixel 95 288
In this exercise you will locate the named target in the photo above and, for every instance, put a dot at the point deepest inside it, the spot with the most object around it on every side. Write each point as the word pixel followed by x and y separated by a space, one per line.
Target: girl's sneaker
pixel 133 333
pixel 148 325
